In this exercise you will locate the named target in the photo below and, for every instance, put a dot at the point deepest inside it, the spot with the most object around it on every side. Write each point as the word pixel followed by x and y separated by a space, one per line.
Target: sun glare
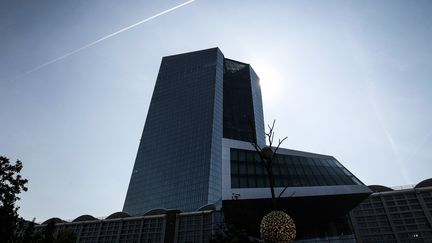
pixel 270 81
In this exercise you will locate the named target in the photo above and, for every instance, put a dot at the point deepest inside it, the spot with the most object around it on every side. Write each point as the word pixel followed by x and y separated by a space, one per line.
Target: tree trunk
pixel 272 184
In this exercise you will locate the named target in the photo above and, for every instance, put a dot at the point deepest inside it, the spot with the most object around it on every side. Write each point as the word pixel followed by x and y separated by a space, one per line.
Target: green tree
pixel 11 184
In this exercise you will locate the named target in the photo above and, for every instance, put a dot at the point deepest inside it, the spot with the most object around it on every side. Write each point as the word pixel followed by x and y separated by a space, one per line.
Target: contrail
pixel 99 40
pixel 389 137
pixel 363 61
pixel 422 143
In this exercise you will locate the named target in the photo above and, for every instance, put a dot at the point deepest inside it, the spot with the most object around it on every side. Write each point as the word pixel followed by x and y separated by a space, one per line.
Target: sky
pixel 351 79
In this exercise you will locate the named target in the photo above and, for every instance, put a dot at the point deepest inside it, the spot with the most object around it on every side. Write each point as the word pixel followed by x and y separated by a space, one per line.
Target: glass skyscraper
pixel 199 98
pixel 196 168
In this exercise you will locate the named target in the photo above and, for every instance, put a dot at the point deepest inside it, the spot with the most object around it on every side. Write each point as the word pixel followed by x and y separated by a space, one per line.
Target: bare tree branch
pixel 276 149
pixel 267 161
pixel 259 151
pixel 280 194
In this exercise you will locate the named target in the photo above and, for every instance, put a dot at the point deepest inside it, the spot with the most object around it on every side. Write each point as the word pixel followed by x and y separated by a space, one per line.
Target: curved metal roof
pixel 118 215
pixel 155 211
pixel 56 220
pixel 27 222
pixel 379 188
pixel 424 183
pixel 207 207
pixel 84 217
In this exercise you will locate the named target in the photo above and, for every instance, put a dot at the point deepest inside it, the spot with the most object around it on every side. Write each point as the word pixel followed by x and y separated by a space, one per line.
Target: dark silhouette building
pixel 395 215
pixel 319 193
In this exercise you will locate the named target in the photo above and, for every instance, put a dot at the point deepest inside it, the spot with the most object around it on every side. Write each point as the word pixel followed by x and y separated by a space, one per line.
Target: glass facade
pixel 194 228
pixel 258 108
pixel 180 147
pixel 199 97
pixel 288 170
pixel 242 116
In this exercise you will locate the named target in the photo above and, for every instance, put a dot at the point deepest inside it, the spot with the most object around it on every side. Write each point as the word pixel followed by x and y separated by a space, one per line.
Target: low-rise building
pixel 158 225
pixel 395 215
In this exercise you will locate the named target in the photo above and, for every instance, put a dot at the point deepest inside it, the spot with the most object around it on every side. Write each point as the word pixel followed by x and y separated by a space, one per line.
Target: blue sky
pixel 347 78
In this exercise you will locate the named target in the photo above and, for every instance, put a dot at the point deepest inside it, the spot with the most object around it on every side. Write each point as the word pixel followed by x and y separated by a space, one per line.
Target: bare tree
pixel 267 154
pixel 271 224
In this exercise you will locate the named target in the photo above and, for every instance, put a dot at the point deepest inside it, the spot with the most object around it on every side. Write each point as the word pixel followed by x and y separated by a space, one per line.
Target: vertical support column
pixel 423 206
pixel 170 226
pixel 99 231
pixel 141 229
pixel 202 227
pixel 79 233
pixel 176 228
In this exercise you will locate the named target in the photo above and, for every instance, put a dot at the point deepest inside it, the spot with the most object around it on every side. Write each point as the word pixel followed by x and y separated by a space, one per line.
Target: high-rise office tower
pixel 195 155
pixel 199 98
